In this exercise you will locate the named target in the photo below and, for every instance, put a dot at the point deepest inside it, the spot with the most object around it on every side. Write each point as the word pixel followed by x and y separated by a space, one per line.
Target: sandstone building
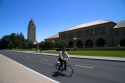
pixel 100 33
pixel 119 34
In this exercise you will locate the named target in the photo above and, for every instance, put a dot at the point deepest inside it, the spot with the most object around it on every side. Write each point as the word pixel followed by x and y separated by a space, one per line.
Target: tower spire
pixel 31 19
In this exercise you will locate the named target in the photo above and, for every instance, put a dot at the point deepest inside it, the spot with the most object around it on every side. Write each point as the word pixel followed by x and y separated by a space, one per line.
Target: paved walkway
pixel 13 72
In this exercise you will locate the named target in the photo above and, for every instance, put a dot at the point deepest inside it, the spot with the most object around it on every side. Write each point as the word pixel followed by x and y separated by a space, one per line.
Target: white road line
pixel 45 59
pixel 76 65
pixel 28 56
pixel 84 66
pixel 87 67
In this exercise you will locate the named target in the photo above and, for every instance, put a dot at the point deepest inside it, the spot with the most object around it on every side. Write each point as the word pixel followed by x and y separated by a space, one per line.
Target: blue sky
pixel 53 16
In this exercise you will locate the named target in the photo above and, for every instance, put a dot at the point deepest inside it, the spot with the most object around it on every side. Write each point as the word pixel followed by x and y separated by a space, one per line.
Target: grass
pixel 87 53
pixel 93 53
pixel 100 53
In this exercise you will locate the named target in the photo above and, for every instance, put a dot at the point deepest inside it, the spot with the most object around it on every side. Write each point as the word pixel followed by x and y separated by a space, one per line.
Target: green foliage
pixel 55 44
pixel 46 45
pixel 15 41
pixel 61 44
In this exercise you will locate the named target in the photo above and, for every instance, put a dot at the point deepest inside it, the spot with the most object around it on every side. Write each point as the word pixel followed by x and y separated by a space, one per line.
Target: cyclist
pixel 63 56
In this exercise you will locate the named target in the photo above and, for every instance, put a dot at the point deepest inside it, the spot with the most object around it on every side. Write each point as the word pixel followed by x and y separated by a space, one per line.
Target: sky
pixel 53 16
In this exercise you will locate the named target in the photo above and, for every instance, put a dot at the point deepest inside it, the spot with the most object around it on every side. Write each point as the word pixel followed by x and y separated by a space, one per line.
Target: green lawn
pixel 85 53
pixel 100 53
pixel 93 53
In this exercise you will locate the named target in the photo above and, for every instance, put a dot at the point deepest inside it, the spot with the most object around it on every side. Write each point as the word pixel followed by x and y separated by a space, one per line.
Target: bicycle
pixel 68 71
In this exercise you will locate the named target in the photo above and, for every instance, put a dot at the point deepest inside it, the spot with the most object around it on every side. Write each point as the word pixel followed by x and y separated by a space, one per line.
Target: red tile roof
pixel 89 24
pixel 120 24
pixel 54 36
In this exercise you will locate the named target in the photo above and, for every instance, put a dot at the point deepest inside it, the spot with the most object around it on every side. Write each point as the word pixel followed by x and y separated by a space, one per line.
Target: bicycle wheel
pixel 57 67
pixel 69 70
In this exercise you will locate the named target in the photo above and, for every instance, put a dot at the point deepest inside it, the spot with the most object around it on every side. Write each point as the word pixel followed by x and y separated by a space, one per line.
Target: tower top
pixel 31 19
pixel 31 23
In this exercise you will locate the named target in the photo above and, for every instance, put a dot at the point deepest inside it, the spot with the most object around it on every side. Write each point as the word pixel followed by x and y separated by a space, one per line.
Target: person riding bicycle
pixel 63 57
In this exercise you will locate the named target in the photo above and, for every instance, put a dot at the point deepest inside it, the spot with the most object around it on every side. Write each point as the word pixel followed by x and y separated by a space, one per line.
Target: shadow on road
pixel 57 74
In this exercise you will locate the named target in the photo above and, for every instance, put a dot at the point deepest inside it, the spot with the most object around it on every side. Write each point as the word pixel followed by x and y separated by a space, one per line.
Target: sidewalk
pixel 85 57
pixel 13 72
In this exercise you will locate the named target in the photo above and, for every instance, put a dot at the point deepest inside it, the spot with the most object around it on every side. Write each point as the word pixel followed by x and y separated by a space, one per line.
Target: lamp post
pixel 75 46
pixel 36 45
pixel 53 41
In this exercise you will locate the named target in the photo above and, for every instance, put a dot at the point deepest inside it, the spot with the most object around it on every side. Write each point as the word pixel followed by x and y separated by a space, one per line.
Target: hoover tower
pixel 31 31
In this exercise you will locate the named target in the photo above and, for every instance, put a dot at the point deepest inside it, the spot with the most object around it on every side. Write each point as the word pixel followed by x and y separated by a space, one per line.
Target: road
pixel 85 70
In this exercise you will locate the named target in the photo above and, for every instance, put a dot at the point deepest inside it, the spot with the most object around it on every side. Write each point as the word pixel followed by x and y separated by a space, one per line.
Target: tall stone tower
pixel 31 31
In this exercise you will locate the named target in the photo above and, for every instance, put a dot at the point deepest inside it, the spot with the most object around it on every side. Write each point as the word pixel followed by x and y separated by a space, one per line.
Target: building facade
pixel 31 31
pixel 100 33
pixel 119 34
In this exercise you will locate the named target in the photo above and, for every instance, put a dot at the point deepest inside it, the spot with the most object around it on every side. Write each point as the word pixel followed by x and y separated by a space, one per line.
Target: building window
pixel 100 43
pixel 122 42
pixel 123 32
pixel 116 33
pixel 89 32
pixel 99 31
pixel 70 35
pixel 63 36
pixel 89 44
pixel 78 34
pixel 32 24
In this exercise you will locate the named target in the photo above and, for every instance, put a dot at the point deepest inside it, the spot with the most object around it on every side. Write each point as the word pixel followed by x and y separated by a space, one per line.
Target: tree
pixel 15 41
pixel 46 44
pixel 41 45
pixel 4 42
pixel 61 44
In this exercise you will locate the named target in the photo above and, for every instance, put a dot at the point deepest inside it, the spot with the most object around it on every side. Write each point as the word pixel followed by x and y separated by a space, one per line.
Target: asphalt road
pixel 85 70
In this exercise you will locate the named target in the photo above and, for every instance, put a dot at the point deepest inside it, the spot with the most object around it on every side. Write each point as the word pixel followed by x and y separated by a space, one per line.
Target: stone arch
pixel 122 42
pixel 100 42
pixel 71 44
pixel 79 44
pixel 89 43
